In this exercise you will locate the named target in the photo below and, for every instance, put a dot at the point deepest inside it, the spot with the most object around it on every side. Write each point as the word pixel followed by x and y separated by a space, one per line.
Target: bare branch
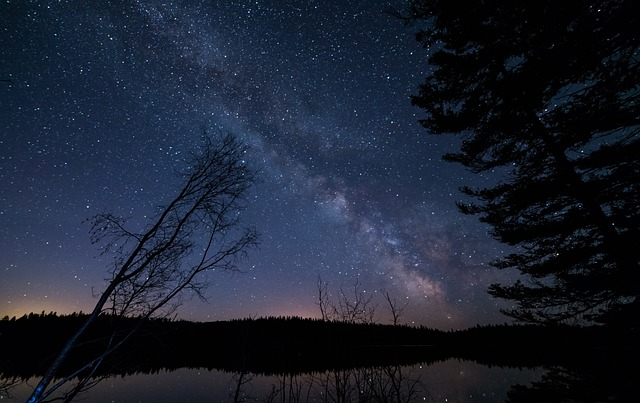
pixel 196 233
pixel 356 308
pixel 323 299
pixel 394 307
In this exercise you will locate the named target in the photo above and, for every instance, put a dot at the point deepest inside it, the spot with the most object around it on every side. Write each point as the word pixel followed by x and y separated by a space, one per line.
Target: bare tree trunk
pixel 198 231
pixel 38 392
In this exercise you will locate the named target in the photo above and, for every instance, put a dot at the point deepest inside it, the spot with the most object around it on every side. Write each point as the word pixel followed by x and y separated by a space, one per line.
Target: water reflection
pixel 451 380
pixel 617 381
pixel 294 359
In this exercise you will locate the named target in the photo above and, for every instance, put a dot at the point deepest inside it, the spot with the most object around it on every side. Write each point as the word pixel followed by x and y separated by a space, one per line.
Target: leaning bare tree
pixel 197 232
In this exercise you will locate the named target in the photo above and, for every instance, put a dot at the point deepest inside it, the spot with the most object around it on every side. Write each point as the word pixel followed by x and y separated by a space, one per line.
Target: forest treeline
pixel 277 345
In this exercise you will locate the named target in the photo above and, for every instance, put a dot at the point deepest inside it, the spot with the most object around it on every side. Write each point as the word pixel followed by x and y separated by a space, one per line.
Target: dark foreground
pixel 583 364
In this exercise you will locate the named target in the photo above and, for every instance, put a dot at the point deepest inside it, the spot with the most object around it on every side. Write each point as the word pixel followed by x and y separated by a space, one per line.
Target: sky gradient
pixel 100 101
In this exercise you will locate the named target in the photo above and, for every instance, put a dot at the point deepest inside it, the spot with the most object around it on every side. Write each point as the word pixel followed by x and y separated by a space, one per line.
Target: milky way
pixel 100 101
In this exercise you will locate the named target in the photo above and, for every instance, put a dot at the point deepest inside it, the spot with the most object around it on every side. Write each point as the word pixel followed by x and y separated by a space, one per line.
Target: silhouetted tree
pixel 544 95
pixel 197 232
pixel 356 308
pixel 395 307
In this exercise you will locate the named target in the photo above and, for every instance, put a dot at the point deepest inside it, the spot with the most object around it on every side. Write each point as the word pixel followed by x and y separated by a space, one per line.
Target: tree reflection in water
pixel 379 384
pixel 455 380
pixel 604 383
pixel 452 379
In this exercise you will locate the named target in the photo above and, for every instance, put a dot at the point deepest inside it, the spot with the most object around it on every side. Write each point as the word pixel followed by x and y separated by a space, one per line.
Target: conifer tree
pixel 545 93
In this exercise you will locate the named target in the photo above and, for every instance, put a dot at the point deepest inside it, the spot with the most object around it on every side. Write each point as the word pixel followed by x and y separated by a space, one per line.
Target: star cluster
pixel 101 101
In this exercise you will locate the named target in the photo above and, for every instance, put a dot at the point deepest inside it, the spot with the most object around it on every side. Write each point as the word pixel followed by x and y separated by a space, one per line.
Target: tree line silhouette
pixel 278 345
pixel 338 358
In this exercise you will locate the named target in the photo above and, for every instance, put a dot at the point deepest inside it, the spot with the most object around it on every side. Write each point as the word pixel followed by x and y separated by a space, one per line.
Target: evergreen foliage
pixel 546 92
pixel 276 345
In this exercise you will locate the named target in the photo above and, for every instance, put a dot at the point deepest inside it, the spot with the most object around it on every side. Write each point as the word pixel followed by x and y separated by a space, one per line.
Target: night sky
pixel 101 100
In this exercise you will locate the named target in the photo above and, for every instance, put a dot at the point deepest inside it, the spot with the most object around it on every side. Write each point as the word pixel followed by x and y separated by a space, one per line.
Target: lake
pixel 452 380
pixel 245 360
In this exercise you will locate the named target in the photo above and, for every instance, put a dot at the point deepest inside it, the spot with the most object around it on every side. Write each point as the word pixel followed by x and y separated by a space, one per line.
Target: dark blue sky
pixel 105 98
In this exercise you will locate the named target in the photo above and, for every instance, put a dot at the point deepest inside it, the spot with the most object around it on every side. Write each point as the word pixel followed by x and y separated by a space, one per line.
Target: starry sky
pixel 100 102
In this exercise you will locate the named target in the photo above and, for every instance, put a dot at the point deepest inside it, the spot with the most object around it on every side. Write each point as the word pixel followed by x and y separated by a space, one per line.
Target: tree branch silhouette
pixel 197 232
pixel 544 96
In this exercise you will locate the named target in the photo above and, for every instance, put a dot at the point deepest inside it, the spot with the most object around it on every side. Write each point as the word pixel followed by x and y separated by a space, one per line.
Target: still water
pixel 448 381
